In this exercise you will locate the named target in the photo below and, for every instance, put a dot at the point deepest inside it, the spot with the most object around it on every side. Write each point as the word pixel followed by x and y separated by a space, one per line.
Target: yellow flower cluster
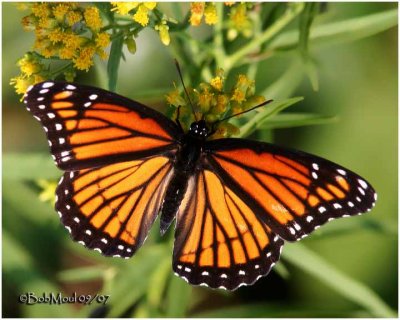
pixel 69 31
pixel 239 22
pixel 139 10
pixel 213 103
pixel 200 9
pixel 31 72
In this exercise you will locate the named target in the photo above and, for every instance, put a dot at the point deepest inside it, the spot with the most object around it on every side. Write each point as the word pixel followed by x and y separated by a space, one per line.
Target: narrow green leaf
pixel 133 279
pixel 114 61
pixel 281 269
pixel 82 274
pixel 291 120
pixel 306 19
pixel 266 310
pixel 339 32
pixel 158 282
pixel 178 298
pixel 270 110
pixel 349 288
pixel 352 225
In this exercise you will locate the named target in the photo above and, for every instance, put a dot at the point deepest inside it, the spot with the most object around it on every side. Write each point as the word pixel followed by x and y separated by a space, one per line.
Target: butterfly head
pixel 199 130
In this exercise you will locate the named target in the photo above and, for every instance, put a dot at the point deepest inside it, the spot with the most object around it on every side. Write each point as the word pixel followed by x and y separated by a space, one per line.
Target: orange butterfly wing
pixel 219 241
pixel 291 191
pixel 111 208
pixel 88 127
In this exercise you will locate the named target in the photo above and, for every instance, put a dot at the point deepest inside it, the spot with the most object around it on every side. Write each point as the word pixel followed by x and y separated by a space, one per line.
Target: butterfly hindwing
pixel 89 127
pixel 219 241
pixel 292 192
pixel 111 208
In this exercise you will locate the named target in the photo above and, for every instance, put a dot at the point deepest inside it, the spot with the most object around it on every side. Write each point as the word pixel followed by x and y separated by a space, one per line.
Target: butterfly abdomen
pixel 185 165
pixel 173 198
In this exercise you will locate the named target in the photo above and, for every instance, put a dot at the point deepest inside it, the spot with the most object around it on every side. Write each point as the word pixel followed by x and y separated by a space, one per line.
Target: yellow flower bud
pixel 163 32
pixel 131 45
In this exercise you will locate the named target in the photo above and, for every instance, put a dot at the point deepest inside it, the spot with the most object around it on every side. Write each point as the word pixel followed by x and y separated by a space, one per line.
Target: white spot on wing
pixel 93 96
pixel 70 87
pixel 88 232
pixel 337 206
pixel 321 209
pixel 342 172
pixel 44 91
pixel 47 84
pixel 309 218
pixel 42 106
pixel 363 183
pixel 51 115
pixel 314 175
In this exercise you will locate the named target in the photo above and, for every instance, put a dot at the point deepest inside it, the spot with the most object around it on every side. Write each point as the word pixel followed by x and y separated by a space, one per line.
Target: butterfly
pixel 235 201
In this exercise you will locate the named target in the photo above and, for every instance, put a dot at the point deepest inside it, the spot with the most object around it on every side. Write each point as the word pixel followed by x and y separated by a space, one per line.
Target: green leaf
pixel 353 225
pixel 158 282
pixel 270 110
pixel 307 16
pixel 82 274
pixel 291 120
pixel 133 278
pixel 339 32
pixel 21 272
pixel 355 291
pixel 114 61
pixel 267 310
pixel 178 298
pixel 29 166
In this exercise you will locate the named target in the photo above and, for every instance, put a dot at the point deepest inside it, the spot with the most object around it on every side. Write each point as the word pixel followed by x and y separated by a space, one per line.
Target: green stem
pixel 219 51
pixel 292 12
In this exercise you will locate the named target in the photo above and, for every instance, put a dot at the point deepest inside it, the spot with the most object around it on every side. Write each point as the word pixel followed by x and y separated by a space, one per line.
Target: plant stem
pixel 291 13
pixel 219 51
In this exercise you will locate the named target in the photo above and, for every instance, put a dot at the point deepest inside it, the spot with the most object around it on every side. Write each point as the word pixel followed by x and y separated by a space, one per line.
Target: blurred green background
pixel 350 263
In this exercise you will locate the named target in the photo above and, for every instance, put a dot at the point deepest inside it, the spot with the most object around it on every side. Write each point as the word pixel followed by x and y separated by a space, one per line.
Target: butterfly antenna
pixel 240 113
pixel 184 87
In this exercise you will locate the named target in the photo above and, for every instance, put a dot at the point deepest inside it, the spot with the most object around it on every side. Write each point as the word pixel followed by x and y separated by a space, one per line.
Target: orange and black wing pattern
pixel 290 191
pixel 89 127
pixel 110 209
pixel 219 240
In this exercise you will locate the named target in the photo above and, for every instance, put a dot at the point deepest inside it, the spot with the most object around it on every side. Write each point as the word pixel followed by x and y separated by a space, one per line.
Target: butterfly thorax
pixel 185 164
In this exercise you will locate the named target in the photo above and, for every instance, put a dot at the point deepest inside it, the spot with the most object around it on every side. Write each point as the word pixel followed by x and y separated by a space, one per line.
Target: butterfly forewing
pixel 291 191
pixel 88 127
pixel 220 242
